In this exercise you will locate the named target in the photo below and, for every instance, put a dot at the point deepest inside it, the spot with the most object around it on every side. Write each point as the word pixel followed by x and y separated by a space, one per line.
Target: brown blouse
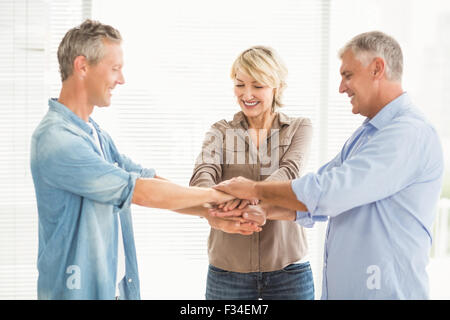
pixel 227 152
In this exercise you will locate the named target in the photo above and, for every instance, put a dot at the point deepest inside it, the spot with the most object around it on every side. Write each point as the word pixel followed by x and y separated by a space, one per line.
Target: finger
pixel 231 213
pixel 224 204
pixel 236 219
pixel 249 227
pixel 244 203
pixel 254 217
pixel 231 205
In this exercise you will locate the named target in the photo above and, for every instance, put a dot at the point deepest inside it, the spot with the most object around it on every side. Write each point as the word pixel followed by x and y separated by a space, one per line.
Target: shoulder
pixel 411 123
pixel 222 124
pixel 293 121
pixel 55 137
pixel 235 123
pixel 295 126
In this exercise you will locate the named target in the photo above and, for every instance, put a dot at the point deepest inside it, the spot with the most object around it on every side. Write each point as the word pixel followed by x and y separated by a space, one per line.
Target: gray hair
pixel 367 46
pixel 85 40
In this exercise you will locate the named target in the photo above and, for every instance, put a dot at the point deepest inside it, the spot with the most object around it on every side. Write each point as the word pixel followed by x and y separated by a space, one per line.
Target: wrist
pixel 213 195
pixel 267 209
pixel 257 190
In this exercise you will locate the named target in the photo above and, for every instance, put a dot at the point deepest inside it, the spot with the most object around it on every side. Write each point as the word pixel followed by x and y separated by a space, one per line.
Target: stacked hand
pixel 243 215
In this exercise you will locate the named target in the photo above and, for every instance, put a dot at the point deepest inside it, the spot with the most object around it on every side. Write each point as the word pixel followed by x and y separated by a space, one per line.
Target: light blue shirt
pixel 80 195
pixel 380 194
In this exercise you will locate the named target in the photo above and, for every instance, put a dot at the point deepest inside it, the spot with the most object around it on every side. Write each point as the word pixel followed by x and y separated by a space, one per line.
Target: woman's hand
pixel 233 225
pixel 255 214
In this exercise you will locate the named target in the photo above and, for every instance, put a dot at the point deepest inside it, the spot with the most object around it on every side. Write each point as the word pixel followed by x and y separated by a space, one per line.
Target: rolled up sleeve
pixel 378 170
pixel 208 166
pixel 308 192
pixel 294 160
pixel 70 164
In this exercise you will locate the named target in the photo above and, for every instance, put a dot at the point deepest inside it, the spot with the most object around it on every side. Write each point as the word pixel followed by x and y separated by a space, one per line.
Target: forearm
pixel 157 193
pixel 278 193
pixel 279 213
pixel 200 211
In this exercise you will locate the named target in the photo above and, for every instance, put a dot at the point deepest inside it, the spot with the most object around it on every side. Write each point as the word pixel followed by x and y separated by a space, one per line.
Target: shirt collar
pixel 240 121
pixel 389 111
pixel 68 114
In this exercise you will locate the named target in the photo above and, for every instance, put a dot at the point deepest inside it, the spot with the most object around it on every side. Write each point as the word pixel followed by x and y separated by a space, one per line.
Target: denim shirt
pixel 80 197
pixel 379 195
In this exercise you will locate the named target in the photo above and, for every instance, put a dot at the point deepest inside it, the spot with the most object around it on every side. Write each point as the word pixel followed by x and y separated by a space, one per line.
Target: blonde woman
pixel 260 143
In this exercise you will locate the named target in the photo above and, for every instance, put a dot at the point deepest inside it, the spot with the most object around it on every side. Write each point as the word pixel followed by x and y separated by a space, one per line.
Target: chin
pixel 105 103
pixel 355 110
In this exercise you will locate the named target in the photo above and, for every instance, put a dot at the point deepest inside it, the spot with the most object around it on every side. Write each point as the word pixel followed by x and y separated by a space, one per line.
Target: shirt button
pixel 130 280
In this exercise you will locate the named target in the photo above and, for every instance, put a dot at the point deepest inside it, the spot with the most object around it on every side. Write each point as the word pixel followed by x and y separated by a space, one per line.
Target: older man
pixel 83 183
pixel 379 193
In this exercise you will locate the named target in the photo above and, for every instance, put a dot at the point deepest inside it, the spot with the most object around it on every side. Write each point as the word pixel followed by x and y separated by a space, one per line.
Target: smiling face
pixel 254 98
pixel 102 77
pixel 359 84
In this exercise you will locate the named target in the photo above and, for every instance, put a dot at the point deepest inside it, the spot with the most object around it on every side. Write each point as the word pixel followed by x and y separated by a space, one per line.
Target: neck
pixel 263 121
pixel 387 94
pixel 74 97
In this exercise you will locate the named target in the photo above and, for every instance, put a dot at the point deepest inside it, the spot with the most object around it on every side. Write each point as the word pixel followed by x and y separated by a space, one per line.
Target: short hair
pixel 86 40
pixel 366 46
pixel 265 66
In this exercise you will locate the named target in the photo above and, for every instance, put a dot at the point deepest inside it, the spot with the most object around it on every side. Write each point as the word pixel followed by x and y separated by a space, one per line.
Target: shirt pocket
pixel 270 161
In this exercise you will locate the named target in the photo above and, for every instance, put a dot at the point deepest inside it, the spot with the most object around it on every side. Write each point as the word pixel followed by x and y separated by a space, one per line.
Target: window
pixel 30 33
pixel 178 56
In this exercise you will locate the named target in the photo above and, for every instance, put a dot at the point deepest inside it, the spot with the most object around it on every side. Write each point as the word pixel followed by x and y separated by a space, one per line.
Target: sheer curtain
pixel 30 32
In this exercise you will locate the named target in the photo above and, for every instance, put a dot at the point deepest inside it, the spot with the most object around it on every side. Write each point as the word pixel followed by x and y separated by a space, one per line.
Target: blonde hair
pixel 265 66
pixel 85 40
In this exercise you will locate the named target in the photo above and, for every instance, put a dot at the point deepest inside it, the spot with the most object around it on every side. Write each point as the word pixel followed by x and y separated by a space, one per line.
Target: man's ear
pixel 80 66
pixel 378 68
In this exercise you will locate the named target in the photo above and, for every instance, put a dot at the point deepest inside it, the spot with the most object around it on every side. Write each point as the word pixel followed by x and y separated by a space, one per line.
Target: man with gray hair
pixel 379 193
pixel 83 184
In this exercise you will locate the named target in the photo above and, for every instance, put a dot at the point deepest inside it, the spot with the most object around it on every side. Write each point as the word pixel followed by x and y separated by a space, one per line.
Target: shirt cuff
pixel 306 220
pixel 307 191
pixel 148 173
pixel 128 192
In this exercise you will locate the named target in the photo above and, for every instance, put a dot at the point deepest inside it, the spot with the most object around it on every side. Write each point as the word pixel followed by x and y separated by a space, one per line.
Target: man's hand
pixel 236 204
pixel 255 214
pixel 239 187
pixel 221 197
pixel 233 225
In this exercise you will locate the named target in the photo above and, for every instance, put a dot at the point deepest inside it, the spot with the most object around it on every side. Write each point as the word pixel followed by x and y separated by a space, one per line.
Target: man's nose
pixel 342 87
pixel 121 79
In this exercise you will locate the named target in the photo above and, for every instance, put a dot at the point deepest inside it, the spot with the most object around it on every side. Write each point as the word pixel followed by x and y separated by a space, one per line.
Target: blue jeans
pixel 294 282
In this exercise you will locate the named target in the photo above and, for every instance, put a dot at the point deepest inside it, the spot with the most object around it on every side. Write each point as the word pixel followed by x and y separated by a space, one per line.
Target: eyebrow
pixel 345 72
pixel 243 81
